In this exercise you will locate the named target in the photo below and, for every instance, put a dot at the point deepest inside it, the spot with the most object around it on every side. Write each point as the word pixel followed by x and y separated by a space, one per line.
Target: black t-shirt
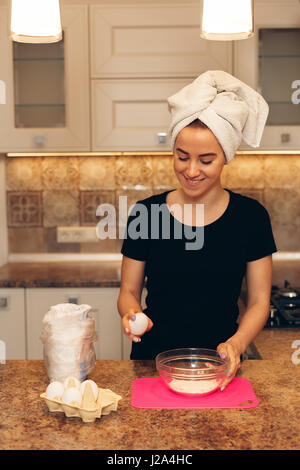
pixel 192 294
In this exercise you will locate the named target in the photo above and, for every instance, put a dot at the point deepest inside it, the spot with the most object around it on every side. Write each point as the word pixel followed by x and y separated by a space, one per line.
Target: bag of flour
pixel 68 336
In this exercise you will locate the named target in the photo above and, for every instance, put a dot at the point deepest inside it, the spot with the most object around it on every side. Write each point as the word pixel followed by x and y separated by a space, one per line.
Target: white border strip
pixel 39 257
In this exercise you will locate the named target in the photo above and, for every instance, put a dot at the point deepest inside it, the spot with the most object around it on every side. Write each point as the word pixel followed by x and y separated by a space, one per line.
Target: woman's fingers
pixel 129 335
pixel 150 324
pixel 126 326
pixel 229 352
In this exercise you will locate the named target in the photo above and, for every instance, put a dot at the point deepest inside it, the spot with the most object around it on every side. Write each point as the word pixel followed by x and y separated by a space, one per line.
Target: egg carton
pixel 89 409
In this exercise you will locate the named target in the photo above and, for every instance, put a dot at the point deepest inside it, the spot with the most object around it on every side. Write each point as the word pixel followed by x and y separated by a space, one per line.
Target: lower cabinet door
pixel 104 309
pixel 109 344
pixel 12 324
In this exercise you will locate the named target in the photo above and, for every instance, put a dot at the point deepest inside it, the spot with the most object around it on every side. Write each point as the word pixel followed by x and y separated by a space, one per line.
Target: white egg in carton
pixel 84 400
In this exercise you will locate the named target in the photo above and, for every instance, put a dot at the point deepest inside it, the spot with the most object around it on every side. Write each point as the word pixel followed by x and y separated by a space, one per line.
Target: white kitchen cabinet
pixel 162 40
pixel 31 95
pixel 280 14
pixel 109 323
pixel 104 304
pixel 12 323
pixel 129 115
pixel 141 54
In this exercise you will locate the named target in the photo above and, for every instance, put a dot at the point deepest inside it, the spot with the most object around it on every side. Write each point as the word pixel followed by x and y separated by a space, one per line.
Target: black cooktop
pixel 284 306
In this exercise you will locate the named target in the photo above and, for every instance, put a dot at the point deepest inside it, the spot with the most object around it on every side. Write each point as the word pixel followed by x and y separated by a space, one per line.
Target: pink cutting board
pixel 151 392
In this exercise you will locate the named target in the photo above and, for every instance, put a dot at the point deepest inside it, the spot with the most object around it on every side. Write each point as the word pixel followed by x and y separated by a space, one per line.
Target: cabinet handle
pixel 73 300
pixel 39 140
pixel 285 138
pixel 3 303
pixel 162 137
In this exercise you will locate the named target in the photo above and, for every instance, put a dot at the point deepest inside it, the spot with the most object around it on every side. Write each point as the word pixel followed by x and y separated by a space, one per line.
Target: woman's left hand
pixel 229 350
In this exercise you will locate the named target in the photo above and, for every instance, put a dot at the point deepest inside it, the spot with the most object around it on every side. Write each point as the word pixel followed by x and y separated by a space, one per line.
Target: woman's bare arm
pixel 129 301
pixel 259 281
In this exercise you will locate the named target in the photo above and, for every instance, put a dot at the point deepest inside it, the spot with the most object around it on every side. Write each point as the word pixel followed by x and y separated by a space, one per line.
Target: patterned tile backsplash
pixel 24 208
pixel 46 192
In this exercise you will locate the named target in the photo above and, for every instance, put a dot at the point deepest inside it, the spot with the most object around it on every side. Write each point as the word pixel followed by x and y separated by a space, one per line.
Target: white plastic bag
pixel 68 336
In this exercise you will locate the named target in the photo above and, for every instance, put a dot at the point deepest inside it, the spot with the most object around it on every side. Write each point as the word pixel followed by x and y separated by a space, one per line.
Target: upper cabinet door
pixel 152 41
pixel 47 99
pixel 132 115
pixel 270 63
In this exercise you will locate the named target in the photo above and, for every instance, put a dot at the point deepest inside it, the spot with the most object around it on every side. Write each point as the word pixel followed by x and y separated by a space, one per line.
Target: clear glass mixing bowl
pixel 192 371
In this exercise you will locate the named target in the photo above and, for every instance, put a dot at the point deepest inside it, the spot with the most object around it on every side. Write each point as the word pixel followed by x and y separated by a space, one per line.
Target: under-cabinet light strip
pixel 45 257
pixel 149 154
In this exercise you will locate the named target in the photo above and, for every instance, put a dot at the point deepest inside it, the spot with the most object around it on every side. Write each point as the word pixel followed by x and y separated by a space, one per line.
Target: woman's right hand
pixel 126 328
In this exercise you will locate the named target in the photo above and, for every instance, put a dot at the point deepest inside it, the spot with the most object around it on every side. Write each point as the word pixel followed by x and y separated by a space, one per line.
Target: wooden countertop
pixel 26 423
pixel 100 274
pixel 61 274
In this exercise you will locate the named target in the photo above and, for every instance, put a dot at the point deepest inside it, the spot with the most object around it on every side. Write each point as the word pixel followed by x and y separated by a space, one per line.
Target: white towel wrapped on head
pixel 232 110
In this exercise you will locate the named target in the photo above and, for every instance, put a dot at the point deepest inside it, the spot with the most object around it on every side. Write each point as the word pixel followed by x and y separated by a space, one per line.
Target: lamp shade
pixel 227 20
pixel 35 21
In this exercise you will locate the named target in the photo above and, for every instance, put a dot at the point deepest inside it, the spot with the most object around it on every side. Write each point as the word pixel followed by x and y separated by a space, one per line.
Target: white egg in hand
pixel 71 394
pixel 93 385
pixel 139 325
pixel 54 389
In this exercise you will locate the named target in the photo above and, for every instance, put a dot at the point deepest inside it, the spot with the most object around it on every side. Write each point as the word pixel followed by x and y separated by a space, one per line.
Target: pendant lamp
pixel 35 21
pixel 227 20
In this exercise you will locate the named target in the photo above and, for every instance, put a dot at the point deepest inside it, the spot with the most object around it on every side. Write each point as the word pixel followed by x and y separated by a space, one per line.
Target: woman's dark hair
pixel 198 123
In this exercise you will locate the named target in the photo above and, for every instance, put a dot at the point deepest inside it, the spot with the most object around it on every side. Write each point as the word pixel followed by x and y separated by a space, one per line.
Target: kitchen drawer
pixel 12 323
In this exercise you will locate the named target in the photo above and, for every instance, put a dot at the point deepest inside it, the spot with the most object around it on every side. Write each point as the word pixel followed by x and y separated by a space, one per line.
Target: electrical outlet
pixel 2 92
pixel 76 234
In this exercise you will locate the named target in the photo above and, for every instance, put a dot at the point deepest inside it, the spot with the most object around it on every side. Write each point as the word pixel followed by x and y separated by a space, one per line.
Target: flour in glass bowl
pixel 193 386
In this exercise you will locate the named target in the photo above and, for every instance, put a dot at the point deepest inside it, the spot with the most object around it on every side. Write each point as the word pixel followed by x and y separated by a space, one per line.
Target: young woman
pixel 192 294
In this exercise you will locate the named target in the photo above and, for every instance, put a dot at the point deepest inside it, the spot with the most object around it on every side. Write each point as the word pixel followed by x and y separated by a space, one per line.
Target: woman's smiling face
pixel 198 160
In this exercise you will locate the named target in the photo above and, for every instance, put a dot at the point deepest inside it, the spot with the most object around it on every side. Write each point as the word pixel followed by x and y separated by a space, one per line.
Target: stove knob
pixel 273 318
pixel 273 312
